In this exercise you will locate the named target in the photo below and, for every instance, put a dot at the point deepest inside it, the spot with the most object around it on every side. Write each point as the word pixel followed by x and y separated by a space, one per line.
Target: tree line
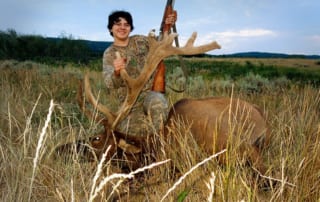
pixel 42 49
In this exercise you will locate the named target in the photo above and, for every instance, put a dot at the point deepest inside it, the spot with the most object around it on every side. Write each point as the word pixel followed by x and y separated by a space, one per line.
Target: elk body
pixel 218 121
pixel 212 121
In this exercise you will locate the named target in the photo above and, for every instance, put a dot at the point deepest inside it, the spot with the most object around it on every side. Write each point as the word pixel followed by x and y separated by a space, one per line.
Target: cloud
pixel 245 33
pixel 96 36
pixel 232 40
pixel 243 39
pixel 315 39
pixel 197 22
pixel 230 36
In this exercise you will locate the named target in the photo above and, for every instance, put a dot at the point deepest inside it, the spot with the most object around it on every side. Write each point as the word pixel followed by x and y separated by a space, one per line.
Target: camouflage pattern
pixel 150 110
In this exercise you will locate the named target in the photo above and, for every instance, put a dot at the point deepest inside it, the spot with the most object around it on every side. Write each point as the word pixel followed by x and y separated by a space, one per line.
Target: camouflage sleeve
pixel 111 80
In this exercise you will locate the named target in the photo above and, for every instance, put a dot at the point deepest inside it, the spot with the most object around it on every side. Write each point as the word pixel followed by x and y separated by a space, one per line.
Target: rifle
pixel 159 79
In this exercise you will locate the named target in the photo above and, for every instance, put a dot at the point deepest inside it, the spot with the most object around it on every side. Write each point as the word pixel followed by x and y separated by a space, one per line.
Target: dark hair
pixel 115 16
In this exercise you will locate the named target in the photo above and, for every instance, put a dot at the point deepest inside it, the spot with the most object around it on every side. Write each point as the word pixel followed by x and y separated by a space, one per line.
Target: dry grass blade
pixel 275 179
pixel 124 176
pixel 39 145
pixel 190 171
pixel 28 123
pixel 99 171
pixel 210 186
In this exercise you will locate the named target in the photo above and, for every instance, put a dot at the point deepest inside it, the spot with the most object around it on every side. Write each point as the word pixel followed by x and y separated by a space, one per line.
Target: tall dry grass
pixel 293 113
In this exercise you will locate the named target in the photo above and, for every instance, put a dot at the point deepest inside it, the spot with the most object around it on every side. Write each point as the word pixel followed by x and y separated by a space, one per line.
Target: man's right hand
pixel 118 64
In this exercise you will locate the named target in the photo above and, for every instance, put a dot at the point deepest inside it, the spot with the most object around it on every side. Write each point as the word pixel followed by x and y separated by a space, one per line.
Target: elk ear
pixel 128 148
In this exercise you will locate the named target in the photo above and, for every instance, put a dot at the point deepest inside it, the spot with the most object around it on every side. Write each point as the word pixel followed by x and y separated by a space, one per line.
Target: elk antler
pixel 110 116
pixel 90 114
pixel 158 50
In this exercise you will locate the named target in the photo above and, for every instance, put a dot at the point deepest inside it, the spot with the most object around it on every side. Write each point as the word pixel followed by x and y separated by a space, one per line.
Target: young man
pixel 151 108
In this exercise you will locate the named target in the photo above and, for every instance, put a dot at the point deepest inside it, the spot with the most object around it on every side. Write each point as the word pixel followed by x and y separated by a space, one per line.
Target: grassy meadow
pixel 38 111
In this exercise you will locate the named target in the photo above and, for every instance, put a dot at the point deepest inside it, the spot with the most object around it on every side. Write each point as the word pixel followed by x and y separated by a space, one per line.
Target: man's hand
pixel 171 18
pixel 118 64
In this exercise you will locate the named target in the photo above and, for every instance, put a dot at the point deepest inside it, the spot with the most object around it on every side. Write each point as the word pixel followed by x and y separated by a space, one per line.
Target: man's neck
pixel 122 43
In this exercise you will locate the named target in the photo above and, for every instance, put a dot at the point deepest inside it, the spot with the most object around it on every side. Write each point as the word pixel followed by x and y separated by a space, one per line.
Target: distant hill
pixel 269 55
pixel 94 46
pixel 98 46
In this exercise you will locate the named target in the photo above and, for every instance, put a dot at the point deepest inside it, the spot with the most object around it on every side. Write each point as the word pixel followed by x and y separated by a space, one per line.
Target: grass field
pixel 279 62
pixel 38 112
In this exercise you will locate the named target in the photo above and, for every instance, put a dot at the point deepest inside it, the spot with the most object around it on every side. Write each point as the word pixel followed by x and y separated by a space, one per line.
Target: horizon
pixel 261 52
pixel 247 52
pixel 286 27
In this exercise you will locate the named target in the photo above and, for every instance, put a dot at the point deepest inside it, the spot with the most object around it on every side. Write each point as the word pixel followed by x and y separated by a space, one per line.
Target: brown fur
pixel 214 120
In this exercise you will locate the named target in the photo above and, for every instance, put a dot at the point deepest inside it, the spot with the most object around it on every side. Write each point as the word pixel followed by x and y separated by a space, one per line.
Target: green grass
pixel 221 69
pixel 292 109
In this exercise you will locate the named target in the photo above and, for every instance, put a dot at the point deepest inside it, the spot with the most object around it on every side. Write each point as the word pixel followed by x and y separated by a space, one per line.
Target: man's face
pixel 121 29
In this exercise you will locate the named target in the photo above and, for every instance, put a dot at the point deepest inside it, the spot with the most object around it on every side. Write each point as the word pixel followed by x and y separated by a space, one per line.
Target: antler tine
pixel 81 102
pixel 103 109
pixel 190 49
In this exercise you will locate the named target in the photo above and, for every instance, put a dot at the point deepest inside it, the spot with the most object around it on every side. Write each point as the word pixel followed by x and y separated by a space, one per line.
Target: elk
pixel 212 120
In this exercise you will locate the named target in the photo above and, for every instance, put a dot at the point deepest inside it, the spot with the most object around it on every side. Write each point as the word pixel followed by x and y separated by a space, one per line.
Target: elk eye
pixel 96 138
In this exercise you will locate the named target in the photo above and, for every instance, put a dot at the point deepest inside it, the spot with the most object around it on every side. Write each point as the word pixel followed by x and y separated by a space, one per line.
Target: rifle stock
pixel 159 79
pixel 159 82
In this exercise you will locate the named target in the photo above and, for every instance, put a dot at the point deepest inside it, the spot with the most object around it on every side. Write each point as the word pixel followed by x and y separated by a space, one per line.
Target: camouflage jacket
pixel 135 54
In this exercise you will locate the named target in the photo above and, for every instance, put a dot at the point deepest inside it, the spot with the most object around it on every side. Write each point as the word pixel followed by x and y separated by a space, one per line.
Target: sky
pixel 277 26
